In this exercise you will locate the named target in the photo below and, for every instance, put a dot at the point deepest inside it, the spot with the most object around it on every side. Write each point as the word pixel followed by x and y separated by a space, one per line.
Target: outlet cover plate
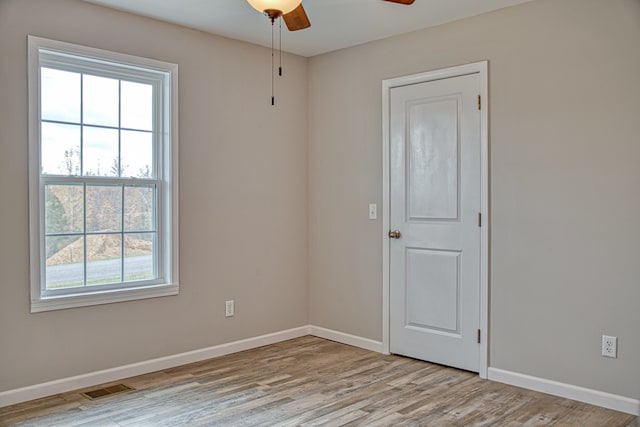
pixel 609 346
pixel 229 308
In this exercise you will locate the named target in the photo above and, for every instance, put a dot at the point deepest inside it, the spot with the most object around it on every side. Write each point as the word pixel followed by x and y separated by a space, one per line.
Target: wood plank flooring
pixel 311 382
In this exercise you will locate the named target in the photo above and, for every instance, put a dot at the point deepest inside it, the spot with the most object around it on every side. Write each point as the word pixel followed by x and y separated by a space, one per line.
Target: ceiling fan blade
pixel 407 2
pixel 297 19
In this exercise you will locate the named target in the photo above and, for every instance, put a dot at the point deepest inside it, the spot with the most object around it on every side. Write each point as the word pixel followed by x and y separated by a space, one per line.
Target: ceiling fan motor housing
pixel 274 8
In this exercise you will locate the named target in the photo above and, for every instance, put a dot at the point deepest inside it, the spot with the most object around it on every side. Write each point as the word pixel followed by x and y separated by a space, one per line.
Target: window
pixel 103 176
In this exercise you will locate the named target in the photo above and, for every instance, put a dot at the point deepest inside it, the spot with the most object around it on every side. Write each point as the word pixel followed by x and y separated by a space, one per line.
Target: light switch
pixel 373 211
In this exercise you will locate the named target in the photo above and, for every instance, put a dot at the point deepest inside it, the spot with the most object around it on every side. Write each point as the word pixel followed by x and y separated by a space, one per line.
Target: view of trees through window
pixel 100 191
pixel 119 239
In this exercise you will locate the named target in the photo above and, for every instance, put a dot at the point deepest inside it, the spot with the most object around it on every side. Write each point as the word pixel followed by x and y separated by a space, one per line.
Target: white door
pixel 435 202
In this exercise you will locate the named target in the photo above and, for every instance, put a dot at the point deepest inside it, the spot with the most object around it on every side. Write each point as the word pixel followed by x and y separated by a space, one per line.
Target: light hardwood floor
pixel 311 382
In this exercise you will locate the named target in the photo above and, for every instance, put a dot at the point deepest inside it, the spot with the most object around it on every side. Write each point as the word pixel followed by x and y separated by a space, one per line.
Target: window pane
pixel 137 154
pixel 100 98
pixel 137 106
pixel 65 261
pixel 63 210
pixel 60 95
pixel 104 259
pixel 138 256
pixel 139 206
pixel 60 149
pixel 104 208
pixel 100 152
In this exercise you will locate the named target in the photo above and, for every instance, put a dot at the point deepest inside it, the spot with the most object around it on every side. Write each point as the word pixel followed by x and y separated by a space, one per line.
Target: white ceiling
pixel 335 24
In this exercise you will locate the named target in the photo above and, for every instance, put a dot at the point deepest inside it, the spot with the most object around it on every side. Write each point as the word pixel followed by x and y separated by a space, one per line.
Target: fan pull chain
pixel 273 98
pixel 280 47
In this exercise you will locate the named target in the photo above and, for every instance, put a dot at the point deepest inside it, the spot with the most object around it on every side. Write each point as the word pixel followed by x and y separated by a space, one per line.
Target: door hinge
pixel 479 102
pixel 478 336
pixel 479 219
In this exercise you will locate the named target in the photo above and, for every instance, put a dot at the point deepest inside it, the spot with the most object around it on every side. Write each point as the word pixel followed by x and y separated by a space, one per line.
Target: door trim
pixel 480 68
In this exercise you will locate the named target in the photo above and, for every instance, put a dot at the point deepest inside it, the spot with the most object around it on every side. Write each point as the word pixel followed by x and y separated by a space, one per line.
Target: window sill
pixel 105 297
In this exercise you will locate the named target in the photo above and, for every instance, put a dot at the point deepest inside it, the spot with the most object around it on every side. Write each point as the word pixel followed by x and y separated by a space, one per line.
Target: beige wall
pixel 564 190
pixel 242 199
pixel 565 182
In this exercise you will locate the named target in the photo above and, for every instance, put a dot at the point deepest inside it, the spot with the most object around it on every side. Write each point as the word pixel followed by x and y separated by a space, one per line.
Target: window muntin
pixel 103 166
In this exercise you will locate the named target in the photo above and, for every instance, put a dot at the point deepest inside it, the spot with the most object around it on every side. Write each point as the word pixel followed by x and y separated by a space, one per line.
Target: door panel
pixel 432 290
pixel 433 159
pixel 434 202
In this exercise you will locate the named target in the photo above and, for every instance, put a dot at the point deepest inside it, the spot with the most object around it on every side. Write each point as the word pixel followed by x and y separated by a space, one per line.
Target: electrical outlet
pixel 609 346
pixel 228 308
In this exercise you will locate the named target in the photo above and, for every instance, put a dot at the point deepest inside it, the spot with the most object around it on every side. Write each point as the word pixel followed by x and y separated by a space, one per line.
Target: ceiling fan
pixel 293 12
pixel 294 15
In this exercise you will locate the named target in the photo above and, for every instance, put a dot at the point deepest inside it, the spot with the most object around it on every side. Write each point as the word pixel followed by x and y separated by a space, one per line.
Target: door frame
pixel 480 68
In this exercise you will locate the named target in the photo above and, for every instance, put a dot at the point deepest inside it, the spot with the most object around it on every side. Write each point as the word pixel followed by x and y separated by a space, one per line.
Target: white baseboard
pixel 581 394
pixel 348 339
pixel 63 385
pixel 10 397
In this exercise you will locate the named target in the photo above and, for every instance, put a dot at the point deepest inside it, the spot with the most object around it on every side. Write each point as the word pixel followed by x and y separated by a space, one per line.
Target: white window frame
pixel 74 57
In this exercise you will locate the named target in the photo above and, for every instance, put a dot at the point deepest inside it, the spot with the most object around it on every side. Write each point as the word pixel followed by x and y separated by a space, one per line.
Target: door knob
pixel 395 234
